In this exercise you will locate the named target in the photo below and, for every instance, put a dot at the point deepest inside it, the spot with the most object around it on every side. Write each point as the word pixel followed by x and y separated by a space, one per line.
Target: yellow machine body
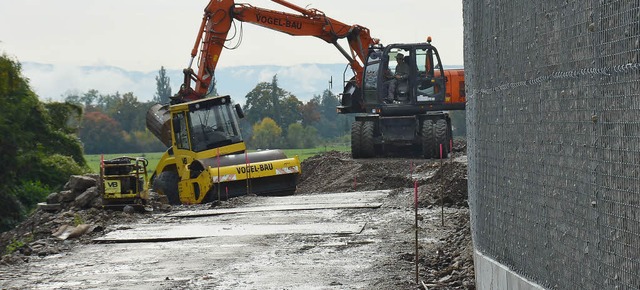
pixel 208 159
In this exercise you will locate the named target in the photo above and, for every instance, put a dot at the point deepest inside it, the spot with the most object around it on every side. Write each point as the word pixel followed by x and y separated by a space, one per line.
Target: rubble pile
pixel 450 264
pixel 70 217
pixel 447 186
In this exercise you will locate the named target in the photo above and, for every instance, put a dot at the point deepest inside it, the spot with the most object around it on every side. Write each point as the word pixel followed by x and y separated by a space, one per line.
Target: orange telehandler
pixel 392 113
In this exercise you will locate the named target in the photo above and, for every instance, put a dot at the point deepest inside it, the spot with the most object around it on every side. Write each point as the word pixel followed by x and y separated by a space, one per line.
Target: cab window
pixel 180 130
pixel 427 66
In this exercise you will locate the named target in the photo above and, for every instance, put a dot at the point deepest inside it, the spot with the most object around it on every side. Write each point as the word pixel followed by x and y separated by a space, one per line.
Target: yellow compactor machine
pixel 207 159
pixel 123 182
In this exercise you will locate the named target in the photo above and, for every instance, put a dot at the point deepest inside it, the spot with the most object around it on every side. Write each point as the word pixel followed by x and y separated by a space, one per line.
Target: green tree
pixel 65 117
pixel 331 124
pixel 295 136
pixel 328 104
pixel 266 134
pixel 73 98
pixel 299 136
pixel 310 112
pixel 129 112
pixel 289 111
pixel 106 102
pixel 269 100
pixel 102 133
pixel 258 104
pixel 311 139
pixel 163 87
pixel 125 124
pixel 89 98
pixel 37 150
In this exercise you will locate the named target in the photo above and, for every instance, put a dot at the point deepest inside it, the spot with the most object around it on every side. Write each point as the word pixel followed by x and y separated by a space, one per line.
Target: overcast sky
pixel 144 34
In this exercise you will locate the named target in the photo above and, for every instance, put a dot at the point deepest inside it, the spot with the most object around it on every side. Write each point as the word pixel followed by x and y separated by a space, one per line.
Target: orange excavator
pixel 397 104
pixel 393 112
pixel 219 18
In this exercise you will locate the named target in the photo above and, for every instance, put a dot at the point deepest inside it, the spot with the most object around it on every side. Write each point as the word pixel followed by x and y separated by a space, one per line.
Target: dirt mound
pixel 449 263
pixel 438 182
pixel 337 172
pixel 448 187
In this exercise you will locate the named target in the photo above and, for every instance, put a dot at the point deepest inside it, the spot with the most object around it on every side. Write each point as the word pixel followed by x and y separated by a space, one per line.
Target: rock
pixel 166 207
pixel 129 209
pixel 68 232
pixel 79 231
pixel 87 198
pixel 49 206
pixel 97 202
pixel 54 198
pixel 67 196
pixel 80 183
pixel 12 259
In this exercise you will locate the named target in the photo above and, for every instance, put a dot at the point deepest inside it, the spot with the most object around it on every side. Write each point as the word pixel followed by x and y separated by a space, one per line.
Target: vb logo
pixel 112 186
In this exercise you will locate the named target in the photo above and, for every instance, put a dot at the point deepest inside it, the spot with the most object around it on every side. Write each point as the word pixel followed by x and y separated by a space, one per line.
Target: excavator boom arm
pixel 218 19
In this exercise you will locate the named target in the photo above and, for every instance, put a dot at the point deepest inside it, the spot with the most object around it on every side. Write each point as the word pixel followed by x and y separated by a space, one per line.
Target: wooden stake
pixel 415 202
pixel 441 192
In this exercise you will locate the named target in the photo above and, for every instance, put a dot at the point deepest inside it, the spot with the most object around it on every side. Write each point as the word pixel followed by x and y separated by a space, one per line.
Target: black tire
pixel 428 139
pixel 441 138
pixel 356 142
pixel 167 184
pixel 367 145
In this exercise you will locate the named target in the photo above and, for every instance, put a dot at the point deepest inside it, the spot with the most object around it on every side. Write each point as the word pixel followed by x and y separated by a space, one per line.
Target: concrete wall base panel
pixel 491 275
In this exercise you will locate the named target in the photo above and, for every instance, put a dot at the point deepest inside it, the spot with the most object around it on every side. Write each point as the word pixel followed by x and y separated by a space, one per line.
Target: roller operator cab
pixel 400 103
pixel 208 160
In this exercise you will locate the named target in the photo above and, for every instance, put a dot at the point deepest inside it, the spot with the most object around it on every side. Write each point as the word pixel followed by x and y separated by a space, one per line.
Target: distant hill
pixel 53 82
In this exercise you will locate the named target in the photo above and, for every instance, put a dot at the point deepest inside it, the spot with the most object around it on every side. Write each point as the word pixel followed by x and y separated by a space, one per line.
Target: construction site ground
pixel 350 225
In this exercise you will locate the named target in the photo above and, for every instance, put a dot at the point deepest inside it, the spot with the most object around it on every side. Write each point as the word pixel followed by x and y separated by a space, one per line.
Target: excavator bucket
pixel 158 117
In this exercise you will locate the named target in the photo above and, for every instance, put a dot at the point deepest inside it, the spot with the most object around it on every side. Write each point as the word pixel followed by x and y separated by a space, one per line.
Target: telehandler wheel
pixel 441 138
pixel 367 145
pixel 356 142
pixel 428 139
pixel 167 183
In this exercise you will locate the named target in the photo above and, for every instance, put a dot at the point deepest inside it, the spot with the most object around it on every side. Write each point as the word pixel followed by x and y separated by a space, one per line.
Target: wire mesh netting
pixel 553 127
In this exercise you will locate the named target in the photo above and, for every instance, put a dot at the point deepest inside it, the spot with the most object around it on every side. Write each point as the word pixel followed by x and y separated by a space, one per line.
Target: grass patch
pixel 93 160
pixel 17 244
pixel 306 153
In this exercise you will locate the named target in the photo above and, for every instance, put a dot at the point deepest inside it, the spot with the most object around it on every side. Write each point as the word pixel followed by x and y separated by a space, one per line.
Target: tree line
pixel 274 118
